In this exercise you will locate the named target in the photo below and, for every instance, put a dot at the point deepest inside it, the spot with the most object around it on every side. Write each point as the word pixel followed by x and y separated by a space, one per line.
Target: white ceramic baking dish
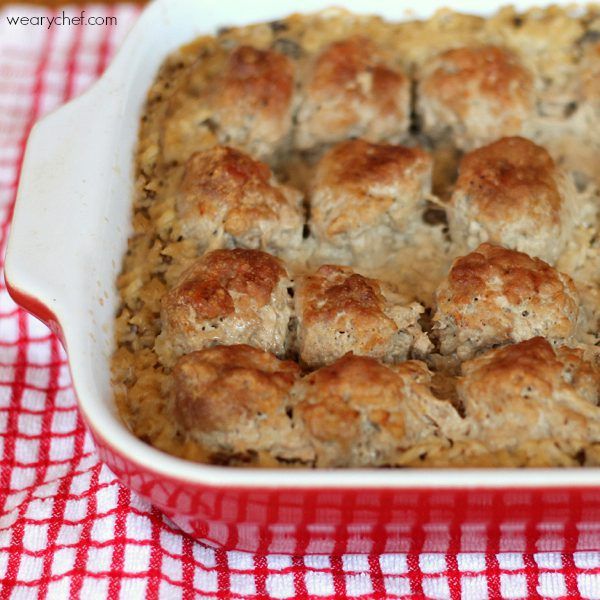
pixel 70 227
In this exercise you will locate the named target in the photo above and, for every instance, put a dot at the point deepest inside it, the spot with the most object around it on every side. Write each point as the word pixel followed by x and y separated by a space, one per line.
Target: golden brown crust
pixel 368 178
pixel 360 164
pixel 337 68
pixel 358 412
pixel 495 295
pixel 253 98
pixel 495 69
pixel 215 387
pixel 224 191
pixel 530 391
pixel 243 97
pixel 227 176
pixel 512 194
pixel 224 172
pixel 480 92
pixel 333 289
pixel 257 81
pixel 335 299
pixel 233 399
pixel 503 369
pixel 330 416
pixel 367 200
pixel 352 91
pixel 510 177
pixel 520 276
pixel 340 311
pixel 227 297
pixel 208 284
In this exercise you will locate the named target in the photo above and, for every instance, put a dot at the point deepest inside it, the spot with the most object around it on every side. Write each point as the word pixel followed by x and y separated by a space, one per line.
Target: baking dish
pixel 70 227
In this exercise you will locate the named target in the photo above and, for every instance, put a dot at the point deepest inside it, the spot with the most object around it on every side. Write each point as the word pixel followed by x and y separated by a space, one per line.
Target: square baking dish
pixel 69 233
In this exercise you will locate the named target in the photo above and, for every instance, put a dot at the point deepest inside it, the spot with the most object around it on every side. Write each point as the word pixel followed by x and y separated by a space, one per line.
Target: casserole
pixel 77 187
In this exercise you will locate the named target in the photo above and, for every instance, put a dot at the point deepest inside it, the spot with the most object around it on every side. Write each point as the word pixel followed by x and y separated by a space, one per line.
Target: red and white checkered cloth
pixel 68 529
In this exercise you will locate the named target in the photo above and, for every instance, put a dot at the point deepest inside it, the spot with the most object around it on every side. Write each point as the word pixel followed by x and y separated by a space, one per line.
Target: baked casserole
pixel 360 243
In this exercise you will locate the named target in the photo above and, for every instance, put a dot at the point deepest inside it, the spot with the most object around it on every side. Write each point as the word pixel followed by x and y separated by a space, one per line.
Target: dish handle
pixel 58 210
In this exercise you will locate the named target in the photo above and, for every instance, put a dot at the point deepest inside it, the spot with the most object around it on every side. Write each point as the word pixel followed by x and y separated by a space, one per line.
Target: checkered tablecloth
pixel 68 529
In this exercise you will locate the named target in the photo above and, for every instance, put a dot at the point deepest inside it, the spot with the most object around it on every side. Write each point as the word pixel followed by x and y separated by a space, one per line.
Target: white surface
pixel 71 225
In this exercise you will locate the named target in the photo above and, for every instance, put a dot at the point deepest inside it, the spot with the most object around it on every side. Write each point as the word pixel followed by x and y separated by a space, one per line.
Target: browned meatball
pixel 358 412
pixel 366 197
pixel 232 400
pixel 511 193
pixel 353 91
pixel 475 94
pixel 498 296
pixel 227 297
pixel 244 99
pixel 340 311
pixel 531 391
pixel 228 198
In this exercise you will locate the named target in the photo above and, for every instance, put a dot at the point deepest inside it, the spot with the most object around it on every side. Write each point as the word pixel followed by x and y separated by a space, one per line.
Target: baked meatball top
pixel 532 369
pixel 531 390
pixel 358 165
pixel 516 276
pixel 217 389
pixel 485 92
pixel 340 311
pixel 242 97
pixel 259 79
pixel 209 285
pixel 358 412
pixel 511 179
pixel 226 297
pixel 339 67
pixel 225 188
pixel 255 92
pixel 511 193
pixel 495 295
pixel 336 395
pixel 352 90
pixel 332 290
pixel 496 72
pixel 362 181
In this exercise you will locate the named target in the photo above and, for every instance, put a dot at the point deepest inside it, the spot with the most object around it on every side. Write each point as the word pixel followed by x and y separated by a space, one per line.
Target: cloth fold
pixel 68 529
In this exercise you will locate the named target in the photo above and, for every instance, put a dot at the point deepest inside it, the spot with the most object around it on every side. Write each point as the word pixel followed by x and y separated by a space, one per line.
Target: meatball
pixel 366 196
pixel 352 91
pixel 339 311
pixel 498 296
pixel 475 94
pixel 511 193
pixel 531 391
pixel 228 198
pixel 358 412
pixel 227 297
pixel 232 400
pixel 244 99
pixel 253 100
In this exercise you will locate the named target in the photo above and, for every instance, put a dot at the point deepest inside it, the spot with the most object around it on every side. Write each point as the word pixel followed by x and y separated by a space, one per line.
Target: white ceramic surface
pixel 72 220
